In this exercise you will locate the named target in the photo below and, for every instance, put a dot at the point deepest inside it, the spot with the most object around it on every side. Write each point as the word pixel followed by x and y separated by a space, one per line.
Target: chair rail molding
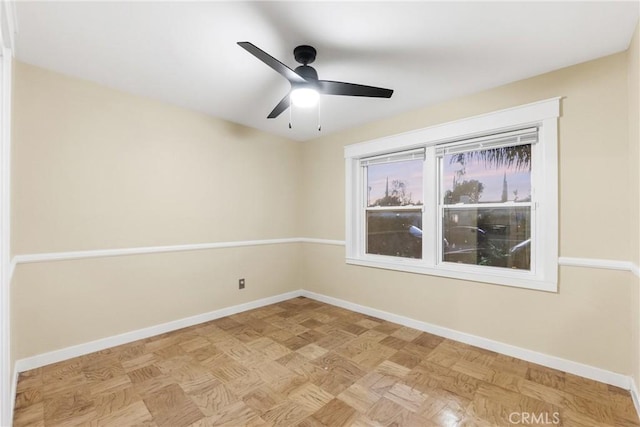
pixel 606 264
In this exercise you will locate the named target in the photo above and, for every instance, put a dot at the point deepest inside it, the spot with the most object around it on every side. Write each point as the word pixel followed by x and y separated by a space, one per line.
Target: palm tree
pixel 518 156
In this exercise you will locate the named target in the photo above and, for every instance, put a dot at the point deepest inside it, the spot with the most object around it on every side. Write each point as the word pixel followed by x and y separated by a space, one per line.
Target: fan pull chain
pixel 291 117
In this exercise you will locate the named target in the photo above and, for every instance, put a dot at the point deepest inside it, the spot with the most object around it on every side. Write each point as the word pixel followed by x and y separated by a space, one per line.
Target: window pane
pixel 395 233
pixel 395 184
pixel 487 176
pixel 497 237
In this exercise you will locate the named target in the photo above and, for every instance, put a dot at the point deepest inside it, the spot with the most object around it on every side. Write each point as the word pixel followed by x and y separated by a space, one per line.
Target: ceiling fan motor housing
pixel 304 54
pixel 307 72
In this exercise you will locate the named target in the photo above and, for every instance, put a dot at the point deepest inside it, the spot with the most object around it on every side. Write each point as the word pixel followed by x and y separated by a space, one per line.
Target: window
pixel 474 199
pixel 393 206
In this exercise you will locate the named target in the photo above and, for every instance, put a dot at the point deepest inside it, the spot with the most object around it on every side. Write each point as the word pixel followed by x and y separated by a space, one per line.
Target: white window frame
pixel 544 176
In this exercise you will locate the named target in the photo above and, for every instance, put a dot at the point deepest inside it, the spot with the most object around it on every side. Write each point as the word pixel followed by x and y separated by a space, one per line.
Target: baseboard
pixel 14 392
pixel 635 395
pixel 576 368
pixel 116 340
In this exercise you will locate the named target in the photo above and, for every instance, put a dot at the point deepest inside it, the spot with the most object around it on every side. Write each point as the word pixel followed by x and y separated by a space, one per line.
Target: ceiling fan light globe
pixel 304 97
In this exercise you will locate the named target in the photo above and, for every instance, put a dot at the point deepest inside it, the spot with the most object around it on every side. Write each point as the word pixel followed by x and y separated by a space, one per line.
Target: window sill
pixel 517 279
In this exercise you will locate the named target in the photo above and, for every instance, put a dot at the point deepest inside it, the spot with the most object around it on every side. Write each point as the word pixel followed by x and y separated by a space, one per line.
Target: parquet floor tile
pixel 308 364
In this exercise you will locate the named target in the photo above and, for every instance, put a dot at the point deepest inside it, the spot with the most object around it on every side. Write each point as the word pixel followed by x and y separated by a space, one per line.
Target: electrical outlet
pixel 241 284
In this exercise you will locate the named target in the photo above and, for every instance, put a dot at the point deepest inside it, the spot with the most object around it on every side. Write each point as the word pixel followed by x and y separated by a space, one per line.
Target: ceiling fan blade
pixel 272 62
pixel 352 89
pixel 282 105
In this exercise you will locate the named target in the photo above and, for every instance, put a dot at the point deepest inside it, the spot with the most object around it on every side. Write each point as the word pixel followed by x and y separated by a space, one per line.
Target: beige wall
pixel 589 319
pixel 634 158
pixel 94 168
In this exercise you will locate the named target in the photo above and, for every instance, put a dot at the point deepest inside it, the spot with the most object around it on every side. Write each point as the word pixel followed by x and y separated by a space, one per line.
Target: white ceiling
pixel 186 53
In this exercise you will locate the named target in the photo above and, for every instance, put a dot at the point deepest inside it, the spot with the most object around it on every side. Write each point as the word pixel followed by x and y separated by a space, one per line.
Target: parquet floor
pixel 305 363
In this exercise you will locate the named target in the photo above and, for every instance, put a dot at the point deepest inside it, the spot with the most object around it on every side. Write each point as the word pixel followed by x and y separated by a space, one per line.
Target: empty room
pixel 319 213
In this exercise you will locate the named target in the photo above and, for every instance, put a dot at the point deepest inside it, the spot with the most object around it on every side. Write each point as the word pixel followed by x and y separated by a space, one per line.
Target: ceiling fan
pixel 305 86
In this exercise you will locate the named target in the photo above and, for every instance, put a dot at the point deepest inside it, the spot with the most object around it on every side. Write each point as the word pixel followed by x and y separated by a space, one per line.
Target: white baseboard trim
pixel 14 392
pixel 116 340
pixel 576 368
pixel 635 395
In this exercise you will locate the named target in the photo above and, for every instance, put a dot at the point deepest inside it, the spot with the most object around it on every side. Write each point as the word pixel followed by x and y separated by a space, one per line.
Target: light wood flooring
pixel 305 363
